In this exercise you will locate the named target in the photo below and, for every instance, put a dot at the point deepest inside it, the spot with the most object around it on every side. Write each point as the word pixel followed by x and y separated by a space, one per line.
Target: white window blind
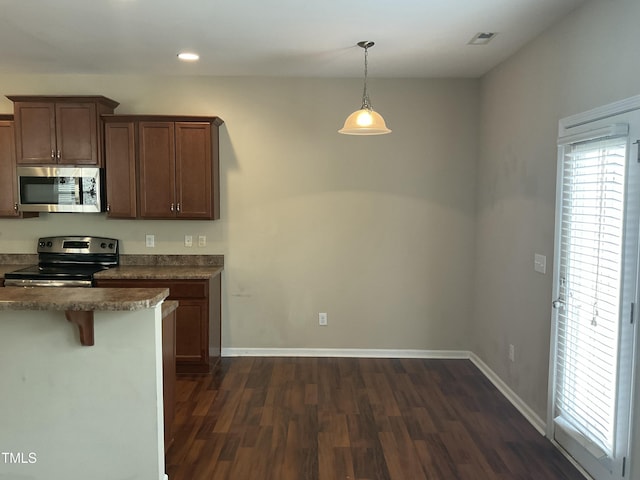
pixel 590 277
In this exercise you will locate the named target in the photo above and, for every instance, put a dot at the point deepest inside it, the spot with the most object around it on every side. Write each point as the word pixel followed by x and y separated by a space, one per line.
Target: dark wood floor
pixel 353 419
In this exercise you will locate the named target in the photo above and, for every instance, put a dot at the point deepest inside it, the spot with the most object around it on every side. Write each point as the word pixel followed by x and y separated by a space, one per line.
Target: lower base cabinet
pixel 197 318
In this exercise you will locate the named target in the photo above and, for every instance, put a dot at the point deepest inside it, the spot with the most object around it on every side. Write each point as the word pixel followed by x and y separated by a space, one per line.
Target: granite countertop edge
pixel 171 267
pixel 146 272
pixel 172 260
pixel 81 299
pixel 169 306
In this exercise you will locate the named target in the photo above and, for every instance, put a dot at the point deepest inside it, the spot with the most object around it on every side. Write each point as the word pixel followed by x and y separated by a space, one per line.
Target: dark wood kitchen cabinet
pixel 8 188
pixel 62 130
pixel 198 318
pixel 8 179
pixel 175 160
pixel 120 167
pixel 178 171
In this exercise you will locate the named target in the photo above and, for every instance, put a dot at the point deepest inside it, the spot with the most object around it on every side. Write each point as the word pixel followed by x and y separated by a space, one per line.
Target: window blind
pixel 592 210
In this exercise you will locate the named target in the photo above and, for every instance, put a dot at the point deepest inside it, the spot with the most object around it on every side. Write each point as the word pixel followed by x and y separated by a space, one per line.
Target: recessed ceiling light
pixel 188 56
pixel 482 38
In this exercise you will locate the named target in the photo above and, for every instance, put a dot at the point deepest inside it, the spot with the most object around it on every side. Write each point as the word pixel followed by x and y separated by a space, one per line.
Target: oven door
pixel 59 189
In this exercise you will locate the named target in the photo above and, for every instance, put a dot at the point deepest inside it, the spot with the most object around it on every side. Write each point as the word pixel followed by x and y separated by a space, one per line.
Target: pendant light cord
pixel 366 104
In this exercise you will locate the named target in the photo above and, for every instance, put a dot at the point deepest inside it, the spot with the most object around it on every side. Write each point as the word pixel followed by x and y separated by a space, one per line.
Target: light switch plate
pixel 188 240
pixel 540 263
pixel 150 241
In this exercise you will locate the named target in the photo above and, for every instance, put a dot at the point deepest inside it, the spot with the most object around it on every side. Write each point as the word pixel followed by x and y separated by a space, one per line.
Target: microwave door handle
pixel 77 191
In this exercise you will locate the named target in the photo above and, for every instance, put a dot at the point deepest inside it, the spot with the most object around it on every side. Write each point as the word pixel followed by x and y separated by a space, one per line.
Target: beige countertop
pixel 80 299
pixel 169 306
pixel 142 267
pixel 159 272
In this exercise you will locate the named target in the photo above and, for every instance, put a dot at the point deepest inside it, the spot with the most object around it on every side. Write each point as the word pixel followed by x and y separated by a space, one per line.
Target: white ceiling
pixel 307 38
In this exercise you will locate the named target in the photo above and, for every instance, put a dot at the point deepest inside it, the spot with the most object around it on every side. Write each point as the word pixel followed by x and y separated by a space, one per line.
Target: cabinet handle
pixel 178 207
pixel 171 207
pixel 58 155
pixel 53 154
pixel 15 207
pixel 108 207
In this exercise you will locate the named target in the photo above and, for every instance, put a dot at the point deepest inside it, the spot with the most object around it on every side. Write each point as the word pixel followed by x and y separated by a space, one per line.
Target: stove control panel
pixel 78 245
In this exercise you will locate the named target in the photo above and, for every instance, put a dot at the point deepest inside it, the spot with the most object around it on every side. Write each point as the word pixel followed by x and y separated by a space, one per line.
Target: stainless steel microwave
pixel 60 189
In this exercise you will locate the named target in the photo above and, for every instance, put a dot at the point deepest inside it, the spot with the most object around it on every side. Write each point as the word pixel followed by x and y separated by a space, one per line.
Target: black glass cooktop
pixel 55 272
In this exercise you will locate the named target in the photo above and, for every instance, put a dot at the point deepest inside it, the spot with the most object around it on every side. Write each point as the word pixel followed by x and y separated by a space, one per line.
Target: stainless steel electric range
pixel 67 261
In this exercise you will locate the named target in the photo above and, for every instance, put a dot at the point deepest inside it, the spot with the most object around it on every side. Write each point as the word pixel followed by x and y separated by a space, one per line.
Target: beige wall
pixel 585 61
pixel 376 231
pixel 386 233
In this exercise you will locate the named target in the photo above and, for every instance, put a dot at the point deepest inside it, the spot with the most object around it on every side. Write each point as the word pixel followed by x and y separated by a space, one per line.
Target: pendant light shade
pixel 365 121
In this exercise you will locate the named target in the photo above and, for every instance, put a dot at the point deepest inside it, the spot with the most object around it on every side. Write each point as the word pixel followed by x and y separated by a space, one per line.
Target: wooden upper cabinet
pixel 59 130
pixel 175 160
pixel 157 170
pixel 77 133
pixel 193 164
pixel 8 193
pixel 120 167
pixel 36 135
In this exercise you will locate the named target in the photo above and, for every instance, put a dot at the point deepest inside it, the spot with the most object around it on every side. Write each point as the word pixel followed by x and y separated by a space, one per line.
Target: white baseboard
pixel 533 418
pixel 343 352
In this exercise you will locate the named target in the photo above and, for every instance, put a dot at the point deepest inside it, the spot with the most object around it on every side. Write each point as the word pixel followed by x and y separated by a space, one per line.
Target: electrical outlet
pixel 188 241
pixel 322 319
pixel 202 240
pixel 512 353
pixel 150 241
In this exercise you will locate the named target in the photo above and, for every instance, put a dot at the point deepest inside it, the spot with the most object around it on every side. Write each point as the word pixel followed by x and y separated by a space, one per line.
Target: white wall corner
pixel 534 419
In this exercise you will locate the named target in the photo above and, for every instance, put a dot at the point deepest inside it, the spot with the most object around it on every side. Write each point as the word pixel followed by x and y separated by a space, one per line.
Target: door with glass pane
pixel 595 292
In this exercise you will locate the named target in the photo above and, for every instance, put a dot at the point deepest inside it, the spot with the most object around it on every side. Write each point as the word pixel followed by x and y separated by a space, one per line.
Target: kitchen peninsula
pixel 72 411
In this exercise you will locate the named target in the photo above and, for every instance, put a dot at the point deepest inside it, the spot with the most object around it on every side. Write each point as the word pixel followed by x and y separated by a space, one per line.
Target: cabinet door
pixel 157 170
pixel 119 147
pixel 76 133
pixel 193 170
pixel 191 332
pixel 35 133
pixel 8 194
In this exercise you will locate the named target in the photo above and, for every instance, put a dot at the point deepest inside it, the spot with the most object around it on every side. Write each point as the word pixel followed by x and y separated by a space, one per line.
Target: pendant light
pixel 365 121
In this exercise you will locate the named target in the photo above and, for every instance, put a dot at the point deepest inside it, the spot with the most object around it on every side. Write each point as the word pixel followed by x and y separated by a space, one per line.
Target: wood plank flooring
pixel 353 419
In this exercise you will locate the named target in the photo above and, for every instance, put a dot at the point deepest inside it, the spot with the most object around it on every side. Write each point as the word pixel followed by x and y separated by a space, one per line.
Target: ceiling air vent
pixel 482 38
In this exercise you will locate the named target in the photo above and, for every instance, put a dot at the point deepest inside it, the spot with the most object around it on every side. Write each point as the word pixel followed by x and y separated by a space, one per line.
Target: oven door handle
pixel 12 282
